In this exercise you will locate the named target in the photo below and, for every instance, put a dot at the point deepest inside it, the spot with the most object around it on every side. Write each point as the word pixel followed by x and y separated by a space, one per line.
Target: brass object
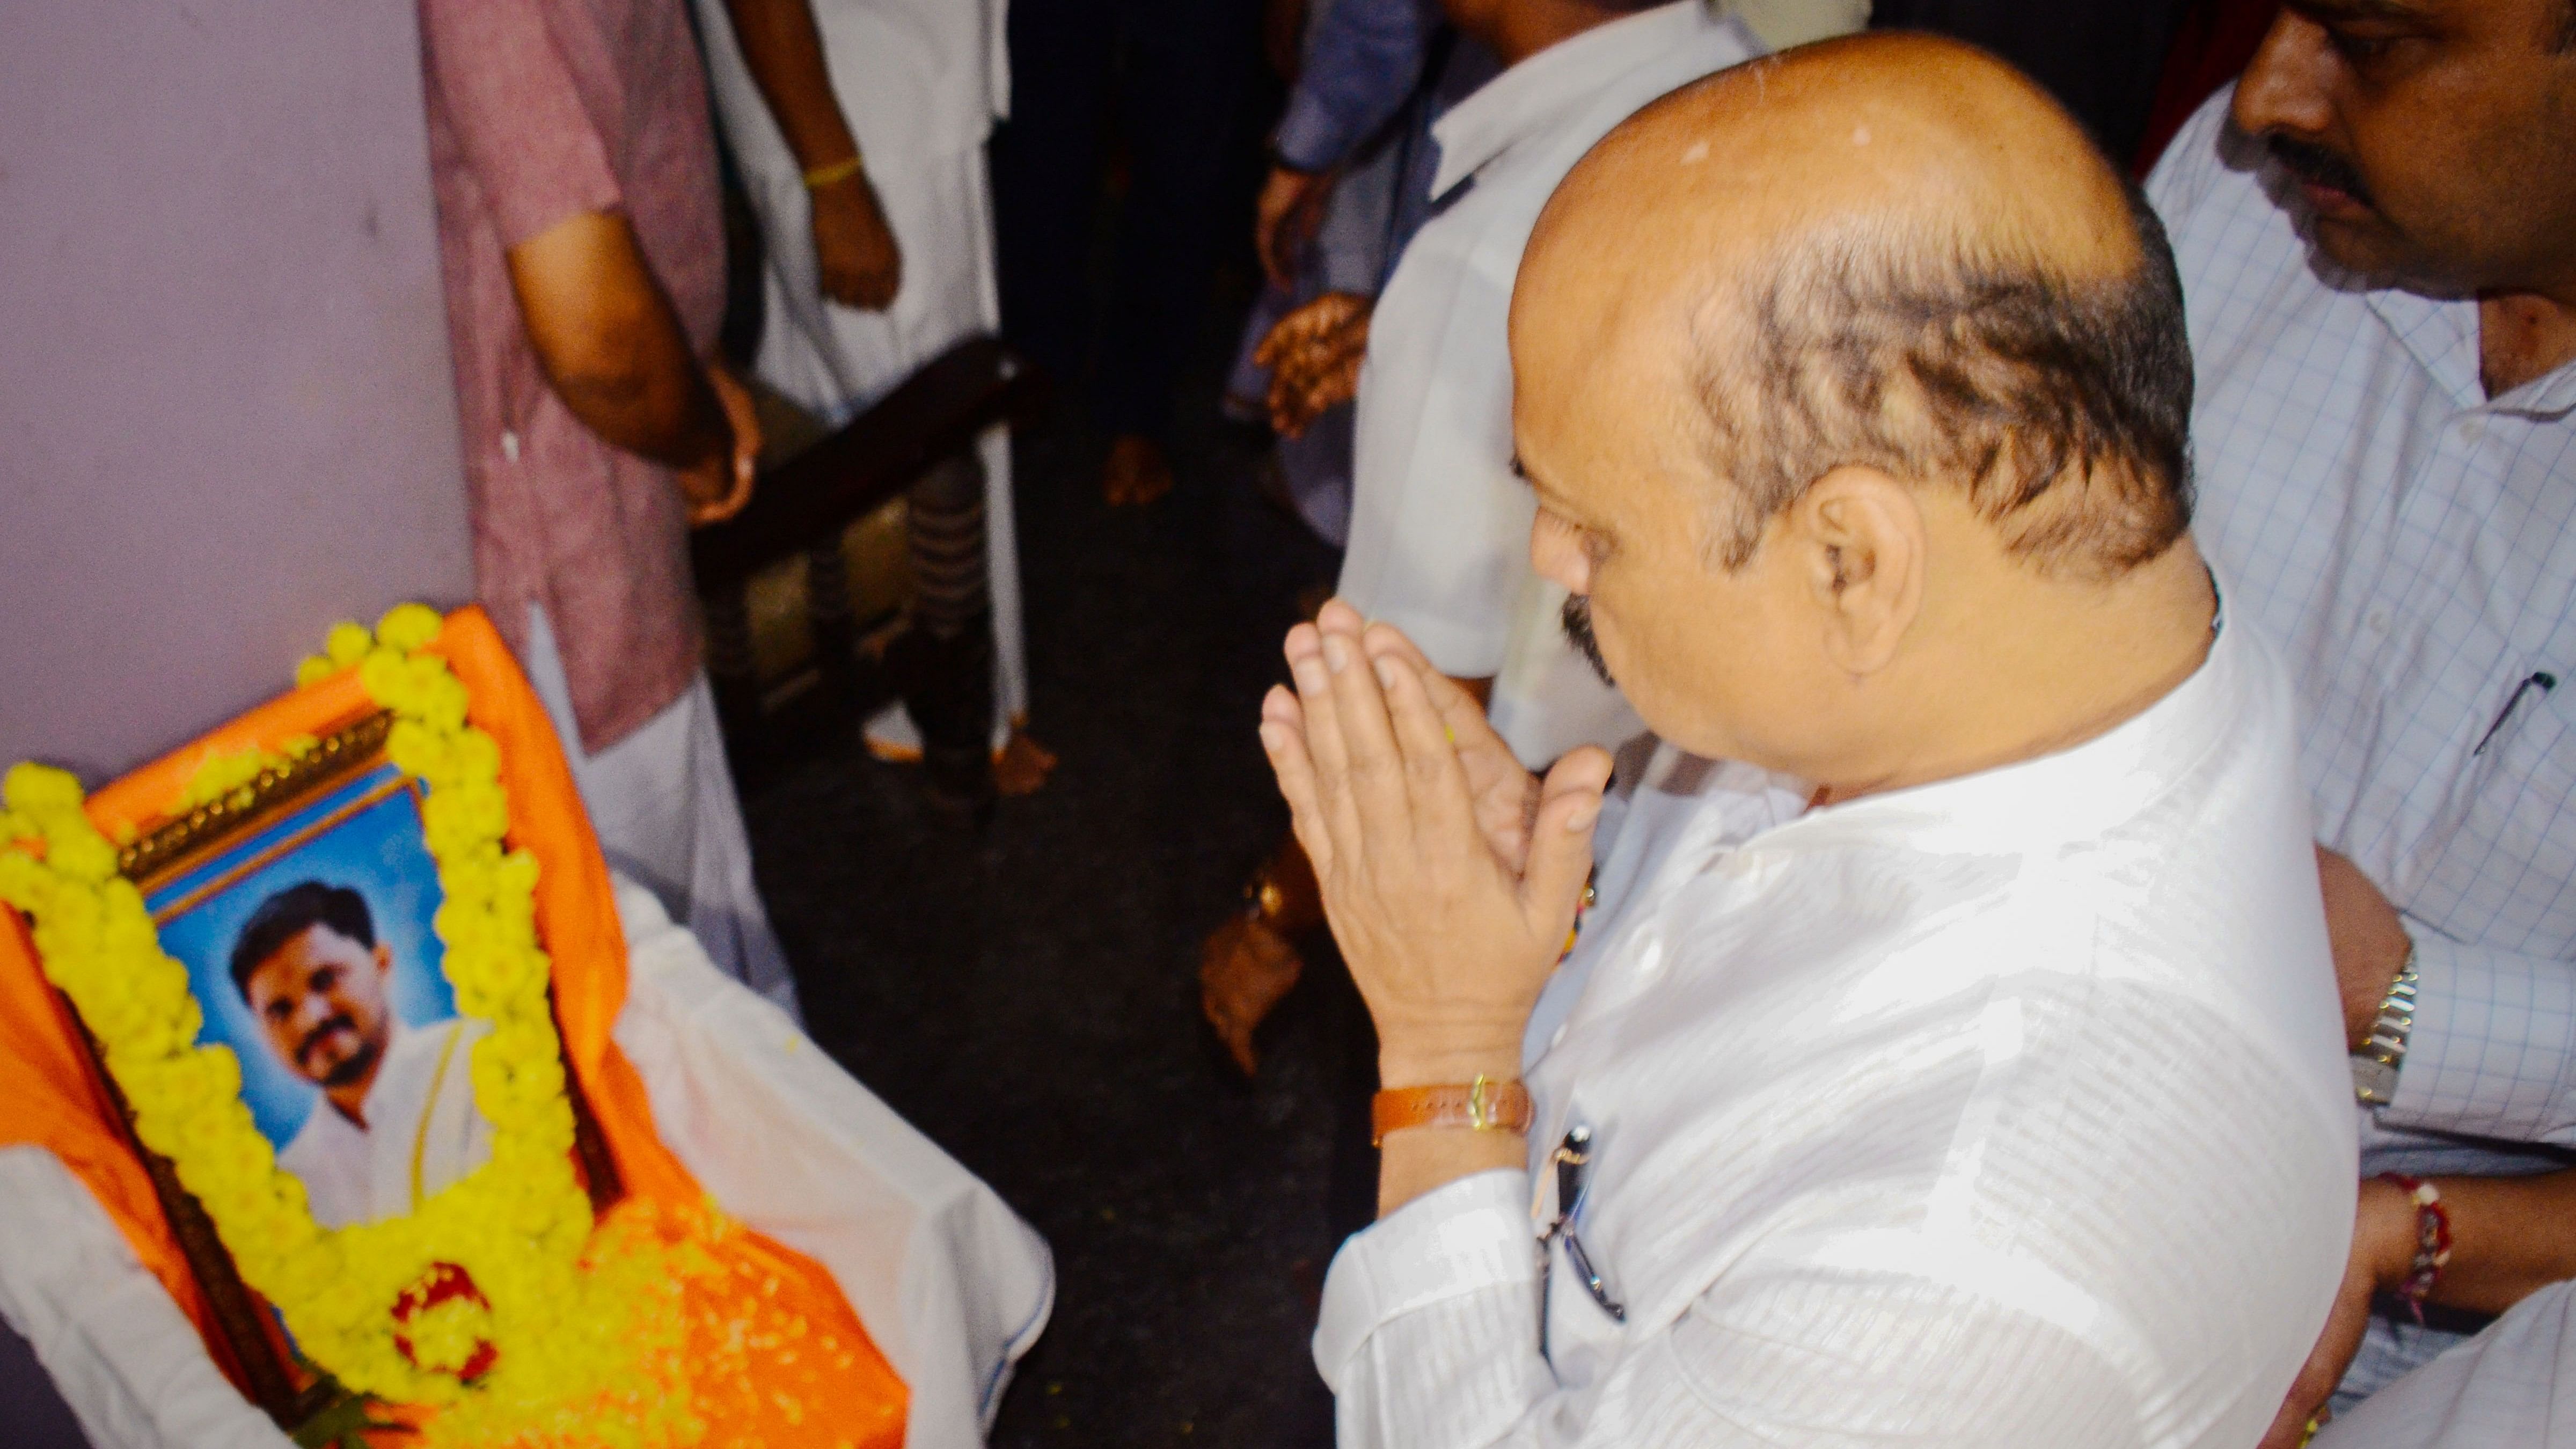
pixel 1263 900
pixel 335 755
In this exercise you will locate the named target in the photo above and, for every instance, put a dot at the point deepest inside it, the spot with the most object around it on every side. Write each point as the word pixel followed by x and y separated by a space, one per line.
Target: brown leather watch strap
pixel 1483 1105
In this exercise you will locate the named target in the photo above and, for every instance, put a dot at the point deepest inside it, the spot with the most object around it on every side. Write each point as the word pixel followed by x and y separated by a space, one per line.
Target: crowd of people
pixel 1942 771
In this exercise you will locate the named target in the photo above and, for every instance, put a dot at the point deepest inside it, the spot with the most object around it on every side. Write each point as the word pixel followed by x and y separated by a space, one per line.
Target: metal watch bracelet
pixel 2374 1067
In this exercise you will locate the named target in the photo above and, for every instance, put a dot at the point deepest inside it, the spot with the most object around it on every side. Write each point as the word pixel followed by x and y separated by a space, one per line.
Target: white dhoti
pixel 920 82
pixel 663 805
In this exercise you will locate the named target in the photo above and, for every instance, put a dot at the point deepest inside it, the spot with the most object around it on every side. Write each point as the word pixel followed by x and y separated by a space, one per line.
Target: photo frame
pixel 318 866
pixel 205 958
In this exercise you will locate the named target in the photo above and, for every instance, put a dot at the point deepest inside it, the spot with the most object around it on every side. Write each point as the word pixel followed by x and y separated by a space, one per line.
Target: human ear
pixel 384 954
pixel 1861 544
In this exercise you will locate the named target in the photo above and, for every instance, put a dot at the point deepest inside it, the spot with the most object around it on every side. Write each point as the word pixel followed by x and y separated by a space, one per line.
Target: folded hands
pixel 1450 874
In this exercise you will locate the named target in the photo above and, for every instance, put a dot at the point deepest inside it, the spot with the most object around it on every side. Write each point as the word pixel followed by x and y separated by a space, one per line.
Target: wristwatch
pixel 2374 1067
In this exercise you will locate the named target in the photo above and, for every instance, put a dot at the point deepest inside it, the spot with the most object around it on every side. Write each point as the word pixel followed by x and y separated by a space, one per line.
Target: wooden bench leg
pixel 729 669
pixel 947 678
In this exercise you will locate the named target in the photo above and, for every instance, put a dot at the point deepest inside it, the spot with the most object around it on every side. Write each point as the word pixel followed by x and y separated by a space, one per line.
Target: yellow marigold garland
pixel 221 775
pixel 565 1323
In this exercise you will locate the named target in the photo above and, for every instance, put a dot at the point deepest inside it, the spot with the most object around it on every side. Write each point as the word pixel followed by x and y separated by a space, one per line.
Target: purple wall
pixel 226 416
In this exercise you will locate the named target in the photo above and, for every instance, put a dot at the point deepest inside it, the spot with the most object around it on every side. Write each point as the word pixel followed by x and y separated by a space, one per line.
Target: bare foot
pixel 1021 765
pixel 1244 969
pixel 1135 472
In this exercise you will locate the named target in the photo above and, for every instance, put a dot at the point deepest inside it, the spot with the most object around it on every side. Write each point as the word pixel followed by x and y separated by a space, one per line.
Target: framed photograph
pixel 309 944
pixel 304 906
pixel 319 1007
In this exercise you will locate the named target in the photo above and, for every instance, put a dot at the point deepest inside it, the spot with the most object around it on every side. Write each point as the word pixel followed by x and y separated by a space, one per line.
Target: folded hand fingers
pixel 1372 758
pixel 1435 783
pixel 1283 740
pixel 1327 747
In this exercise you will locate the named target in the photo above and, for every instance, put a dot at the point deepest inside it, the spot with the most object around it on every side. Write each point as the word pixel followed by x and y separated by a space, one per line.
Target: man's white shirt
pixel 2005 1111
pixel 423 1130
pixel 1440 523
pixel 2409 541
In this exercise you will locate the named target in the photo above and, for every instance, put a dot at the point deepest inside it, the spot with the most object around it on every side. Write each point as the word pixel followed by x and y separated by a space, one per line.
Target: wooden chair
pixel 803 506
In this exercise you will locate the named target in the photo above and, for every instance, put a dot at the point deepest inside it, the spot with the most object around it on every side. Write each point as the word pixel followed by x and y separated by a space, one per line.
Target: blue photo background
pixel 364 833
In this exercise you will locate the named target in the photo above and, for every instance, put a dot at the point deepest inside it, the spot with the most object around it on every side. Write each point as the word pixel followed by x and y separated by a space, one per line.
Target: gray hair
pixel 2062 408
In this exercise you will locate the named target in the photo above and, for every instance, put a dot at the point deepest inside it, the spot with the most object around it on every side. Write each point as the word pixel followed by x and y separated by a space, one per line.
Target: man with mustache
pixel 1954 1064
pixel 2377 236
pixel 396 1120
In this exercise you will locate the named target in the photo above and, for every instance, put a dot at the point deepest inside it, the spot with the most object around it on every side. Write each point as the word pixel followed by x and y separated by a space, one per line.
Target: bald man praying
pixel 1948 1050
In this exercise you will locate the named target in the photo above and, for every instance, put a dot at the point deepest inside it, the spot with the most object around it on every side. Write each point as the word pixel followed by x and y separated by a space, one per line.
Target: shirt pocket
pixel 2500 875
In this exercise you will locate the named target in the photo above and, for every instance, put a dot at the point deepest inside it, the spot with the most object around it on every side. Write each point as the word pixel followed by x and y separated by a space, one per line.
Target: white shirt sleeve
pixel 1429 1329
pixel 2493 1049
pixel 1430 1340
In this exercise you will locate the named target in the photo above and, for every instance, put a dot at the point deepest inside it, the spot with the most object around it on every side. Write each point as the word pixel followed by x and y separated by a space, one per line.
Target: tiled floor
pixel 1026 994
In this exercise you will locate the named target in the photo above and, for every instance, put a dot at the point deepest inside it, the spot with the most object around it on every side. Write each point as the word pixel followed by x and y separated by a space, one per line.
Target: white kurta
pixel 663 803
pixel 949 1281
pixel 2513 1386
pixel 921 83
pixel 2008 1111
pixel 423 1130
pixel 1439 532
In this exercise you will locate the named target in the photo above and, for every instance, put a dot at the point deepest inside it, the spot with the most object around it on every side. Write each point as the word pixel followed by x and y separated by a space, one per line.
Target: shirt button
pixel 2378 621
pixel 2472 430
pixel 510 446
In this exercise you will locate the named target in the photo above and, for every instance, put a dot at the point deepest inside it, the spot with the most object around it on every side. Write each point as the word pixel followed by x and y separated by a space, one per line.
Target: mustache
pixel 341 1021
pixel 2318 166
pixel 1576 619
pixel 353 1071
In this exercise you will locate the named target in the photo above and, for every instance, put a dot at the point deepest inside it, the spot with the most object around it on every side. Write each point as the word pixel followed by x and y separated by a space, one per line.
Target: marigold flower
pixel 40 790
pixel 409 626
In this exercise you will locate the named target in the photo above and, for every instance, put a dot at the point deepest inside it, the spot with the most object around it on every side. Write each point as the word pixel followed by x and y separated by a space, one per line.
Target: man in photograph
pixel 396 1121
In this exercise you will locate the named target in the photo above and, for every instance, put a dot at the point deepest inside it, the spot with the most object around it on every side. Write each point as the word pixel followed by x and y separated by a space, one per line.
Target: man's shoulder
pixel 415 1052
pixel 2191 165
pixel 414 1041
pixel 1639 60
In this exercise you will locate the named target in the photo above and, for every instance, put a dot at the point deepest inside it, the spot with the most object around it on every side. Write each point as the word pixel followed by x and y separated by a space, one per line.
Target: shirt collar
pixel 2441 333
pixel 2443 336
pixel 2074 796
pixel 2551 396
pixel 1529 98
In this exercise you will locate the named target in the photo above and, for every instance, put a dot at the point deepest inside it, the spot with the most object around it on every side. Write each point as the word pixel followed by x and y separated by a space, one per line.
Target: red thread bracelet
pixel 2432 1241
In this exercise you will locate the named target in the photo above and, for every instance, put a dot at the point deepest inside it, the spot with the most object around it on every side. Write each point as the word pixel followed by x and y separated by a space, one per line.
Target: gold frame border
pixel 167 845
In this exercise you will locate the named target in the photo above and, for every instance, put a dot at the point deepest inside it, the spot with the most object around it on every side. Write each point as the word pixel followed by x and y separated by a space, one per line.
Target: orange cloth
pixel 49 1096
